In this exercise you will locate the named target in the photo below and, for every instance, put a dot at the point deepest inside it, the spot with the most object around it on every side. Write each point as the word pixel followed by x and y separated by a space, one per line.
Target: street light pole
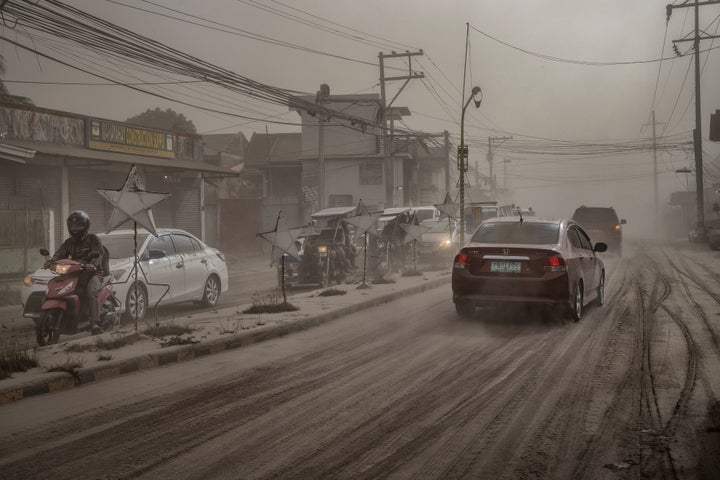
pixel 462 157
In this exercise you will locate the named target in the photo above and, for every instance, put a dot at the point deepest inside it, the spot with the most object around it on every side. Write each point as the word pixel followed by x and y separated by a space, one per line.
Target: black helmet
pixel 78 224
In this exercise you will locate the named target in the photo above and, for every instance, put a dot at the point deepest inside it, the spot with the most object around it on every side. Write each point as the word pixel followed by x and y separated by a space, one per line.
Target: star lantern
pixel 448 208
pixel 132 202
pixel 282 240
pixel 413 232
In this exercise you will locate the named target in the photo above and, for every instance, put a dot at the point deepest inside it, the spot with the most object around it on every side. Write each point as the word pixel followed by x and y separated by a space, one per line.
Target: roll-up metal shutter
pixel 84 196
pixel 186 203
pixel 163 211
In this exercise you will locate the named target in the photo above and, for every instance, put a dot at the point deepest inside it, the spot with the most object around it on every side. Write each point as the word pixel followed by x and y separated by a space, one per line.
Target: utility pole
pixel 697 133
pixel 320 98
pixel 493 188
pixel 655 172
pixel 388 157
pixel 446 136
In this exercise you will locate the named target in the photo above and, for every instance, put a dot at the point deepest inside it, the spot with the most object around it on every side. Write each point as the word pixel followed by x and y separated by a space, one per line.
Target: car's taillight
pixel 461 260
pixel 555 264
pixel 220 256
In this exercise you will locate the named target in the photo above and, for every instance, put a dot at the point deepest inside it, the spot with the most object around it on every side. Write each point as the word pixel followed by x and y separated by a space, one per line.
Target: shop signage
pixel 118 137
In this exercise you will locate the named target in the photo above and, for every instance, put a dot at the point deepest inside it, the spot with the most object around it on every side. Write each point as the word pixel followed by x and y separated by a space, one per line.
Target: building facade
pixel 52 162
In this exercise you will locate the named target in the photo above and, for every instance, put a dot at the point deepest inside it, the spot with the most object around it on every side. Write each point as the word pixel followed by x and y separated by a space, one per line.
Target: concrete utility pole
pixel 389 169
pixel 655 172
pixel 493 187
pixel 322 95
pixel 697 133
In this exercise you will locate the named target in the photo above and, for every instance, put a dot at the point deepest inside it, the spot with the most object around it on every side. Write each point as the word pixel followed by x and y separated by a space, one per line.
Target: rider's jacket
pixel 80 250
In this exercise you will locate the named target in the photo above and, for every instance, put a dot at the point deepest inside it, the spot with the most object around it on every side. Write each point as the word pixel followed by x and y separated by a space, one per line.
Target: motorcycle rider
pixel 80 246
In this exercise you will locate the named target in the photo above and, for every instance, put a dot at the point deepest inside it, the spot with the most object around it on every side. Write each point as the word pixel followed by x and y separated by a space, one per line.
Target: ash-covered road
pixel 408 390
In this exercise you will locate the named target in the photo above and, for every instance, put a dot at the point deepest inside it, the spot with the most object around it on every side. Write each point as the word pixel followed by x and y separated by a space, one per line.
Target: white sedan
pixel 174 267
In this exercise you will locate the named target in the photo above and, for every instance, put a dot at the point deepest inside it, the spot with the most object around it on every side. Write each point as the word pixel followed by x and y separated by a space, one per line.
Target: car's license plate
pixel 505 267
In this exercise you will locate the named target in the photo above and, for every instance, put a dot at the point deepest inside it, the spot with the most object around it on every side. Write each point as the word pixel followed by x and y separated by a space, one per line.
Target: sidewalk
pixel 212 332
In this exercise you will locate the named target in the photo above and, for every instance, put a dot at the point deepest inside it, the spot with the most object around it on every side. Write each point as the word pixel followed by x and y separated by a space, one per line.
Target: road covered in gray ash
pixel 408 390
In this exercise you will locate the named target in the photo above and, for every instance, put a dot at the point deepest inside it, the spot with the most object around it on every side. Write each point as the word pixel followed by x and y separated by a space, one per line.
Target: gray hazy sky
pixel 523 95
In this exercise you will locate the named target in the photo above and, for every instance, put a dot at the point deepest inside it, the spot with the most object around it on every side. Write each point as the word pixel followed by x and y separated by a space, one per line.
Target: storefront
pixel 51 163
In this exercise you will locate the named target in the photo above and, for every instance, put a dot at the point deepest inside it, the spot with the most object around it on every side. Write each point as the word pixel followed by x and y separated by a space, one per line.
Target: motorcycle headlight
pixel 62 269
pixel 116 274
pixel 322 249
pixel 28 281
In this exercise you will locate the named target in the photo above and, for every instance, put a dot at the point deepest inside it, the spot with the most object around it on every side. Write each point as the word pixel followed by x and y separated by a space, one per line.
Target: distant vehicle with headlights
pixel 174 267
pixel 438 244
pixel 603 225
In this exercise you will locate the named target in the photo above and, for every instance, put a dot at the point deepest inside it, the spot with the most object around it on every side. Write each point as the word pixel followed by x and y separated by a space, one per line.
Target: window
pixel 520 233
pixel 183 244
pixel 371 172
pixel 574 238
pixel 586 243
pixel 162 243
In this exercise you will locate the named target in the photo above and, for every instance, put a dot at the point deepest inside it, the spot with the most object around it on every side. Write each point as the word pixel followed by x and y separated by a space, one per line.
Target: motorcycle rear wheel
pixel 47 331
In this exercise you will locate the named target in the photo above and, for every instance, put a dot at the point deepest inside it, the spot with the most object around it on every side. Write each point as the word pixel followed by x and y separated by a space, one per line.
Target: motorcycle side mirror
pixel 44 252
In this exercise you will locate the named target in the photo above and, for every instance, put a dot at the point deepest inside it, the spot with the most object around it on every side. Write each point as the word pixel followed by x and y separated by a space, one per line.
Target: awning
pixel 70 152
pixel 15 153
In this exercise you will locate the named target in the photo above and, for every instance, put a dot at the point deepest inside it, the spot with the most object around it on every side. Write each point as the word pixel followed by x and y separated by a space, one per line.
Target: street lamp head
pixel 475 92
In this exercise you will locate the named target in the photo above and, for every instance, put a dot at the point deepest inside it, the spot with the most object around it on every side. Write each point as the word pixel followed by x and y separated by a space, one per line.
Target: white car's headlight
pixel 117 274
pixel 444 243
pixel 28 281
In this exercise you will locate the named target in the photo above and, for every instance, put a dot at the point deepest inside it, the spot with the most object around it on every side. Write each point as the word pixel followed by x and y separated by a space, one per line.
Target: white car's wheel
pixel 136 302
pixel 211 292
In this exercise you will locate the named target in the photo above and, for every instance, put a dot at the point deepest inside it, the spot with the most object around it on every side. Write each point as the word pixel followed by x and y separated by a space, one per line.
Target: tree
pixel 165 120
pixel 5 93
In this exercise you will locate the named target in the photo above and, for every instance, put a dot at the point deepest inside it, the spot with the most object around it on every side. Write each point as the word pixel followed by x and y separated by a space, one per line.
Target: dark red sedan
pixel 530 261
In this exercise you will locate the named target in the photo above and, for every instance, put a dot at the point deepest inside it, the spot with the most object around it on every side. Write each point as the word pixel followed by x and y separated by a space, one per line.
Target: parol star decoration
pixel 364 222
pixel 282 240
pixel 413 232
pixel 132 202
pixel 448 208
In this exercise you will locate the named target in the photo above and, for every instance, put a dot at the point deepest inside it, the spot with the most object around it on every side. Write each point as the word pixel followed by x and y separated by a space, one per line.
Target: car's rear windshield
pixel 521 233
pixel 121 246
pixel 595 215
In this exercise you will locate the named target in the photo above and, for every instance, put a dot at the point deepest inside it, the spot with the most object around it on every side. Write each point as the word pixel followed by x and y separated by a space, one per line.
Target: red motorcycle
pixel 63 312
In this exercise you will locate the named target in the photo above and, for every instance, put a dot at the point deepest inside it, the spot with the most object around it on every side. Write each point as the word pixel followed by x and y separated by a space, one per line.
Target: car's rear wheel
pixel 576 308
pixel 136 303
pixel 211 292
pixel 600 300
pixel 465 309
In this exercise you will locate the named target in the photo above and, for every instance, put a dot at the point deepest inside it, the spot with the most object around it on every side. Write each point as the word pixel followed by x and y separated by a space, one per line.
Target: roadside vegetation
pixel 113 343
pixel 330 292
pixel 16 358
pixel 269 304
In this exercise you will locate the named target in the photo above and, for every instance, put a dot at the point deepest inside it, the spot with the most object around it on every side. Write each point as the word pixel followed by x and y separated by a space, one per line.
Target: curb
pixel 56 381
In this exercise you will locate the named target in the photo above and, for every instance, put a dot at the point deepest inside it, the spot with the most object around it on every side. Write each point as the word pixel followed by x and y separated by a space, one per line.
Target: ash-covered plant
pixel 269 304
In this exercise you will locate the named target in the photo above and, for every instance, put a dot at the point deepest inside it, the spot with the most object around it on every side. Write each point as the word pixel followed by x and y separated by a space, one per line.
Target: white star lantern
pixel 132 202
pixel 282 240
pixel 365 222
pixel 448 208
pixel 413 232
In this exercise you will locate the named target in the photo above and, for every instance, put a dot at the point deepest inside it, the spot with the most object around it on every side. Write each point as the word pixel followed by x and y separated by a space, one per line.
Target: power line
pixel 581 62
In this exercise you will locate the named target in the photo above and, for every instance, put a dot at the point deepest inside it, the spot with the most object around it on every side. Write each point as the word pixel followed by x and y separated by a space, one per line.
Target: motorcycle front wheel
pixel 47 331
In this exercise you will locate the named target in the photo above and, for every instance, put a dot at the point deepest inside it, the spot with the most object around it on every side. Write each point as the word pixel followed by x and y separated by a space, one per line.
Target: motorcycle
pixel 64 313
